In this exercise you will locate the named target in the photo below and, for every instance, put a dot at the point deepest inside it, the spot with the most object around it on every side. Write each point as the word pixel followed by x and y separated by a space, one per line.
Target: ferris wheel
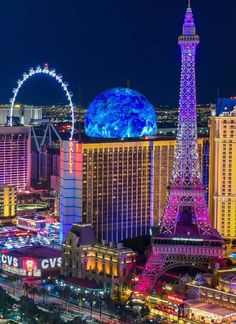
pixel 53 74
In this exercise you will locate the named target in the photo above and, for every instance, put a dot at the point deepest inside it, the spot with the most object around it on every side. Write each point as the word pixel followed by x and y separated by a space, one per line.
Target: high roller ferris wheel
pixel 52 73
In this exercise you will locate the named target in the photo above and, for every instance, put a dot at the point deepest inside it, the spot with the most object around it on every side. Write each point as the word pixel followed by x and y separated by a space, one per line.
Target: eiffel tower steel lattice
pixel 185 236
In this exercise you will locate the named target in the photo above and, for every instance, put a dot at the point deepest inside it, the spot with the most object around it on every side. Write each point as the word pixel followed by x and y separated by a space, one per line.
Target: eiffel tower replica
pixel 184 236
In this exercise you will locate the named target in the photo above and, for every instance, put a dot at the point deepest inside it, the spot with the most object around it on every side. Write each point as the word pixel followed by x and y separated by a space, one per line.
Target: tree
pixel 144 311
pixel 50 318
pixel 64 293
pixel 42 292
pixel 109 303
pixel 80 297
pixel 28 310
pixel 127 315
pixel 45 318
pixel 78 320
pixel 6 301
pixel 33 291
pixel 26 289
pixel 12 280
pixel 91 299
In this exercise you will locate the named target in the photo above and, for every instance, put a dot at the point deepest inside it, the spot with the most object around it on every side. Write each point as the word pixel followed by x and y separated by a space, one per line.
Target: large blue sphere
pixel 120 113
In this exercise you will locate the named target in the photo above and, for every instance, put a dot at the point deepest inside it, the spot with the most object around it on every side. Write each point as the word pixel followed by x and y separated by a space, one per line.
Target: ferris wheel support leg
pixel 35 139
pixel 56 132
pixel 44 136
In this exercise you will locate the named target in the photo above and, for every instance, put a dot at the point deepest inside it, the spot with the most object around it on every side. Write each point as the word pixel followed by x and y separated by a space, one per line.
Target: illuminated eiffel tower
pixel 185 236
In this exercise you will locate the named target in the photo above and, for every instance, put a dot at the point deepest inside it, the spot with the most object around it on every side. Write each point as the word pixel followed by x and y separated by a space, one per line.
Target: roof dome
pixel 120 113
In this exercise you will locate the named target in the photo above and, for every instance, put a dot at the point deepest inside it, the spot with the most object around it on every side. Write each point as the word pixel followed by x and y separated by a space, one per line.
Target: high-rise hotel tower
pixel 222 180
pixel 119 186
pixel 15 151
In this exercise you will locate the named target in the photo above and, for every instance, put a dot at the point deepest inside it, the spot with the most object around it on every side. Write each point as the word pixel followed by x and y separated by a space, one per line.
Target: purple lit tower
pixel 186 203
pixel 185 236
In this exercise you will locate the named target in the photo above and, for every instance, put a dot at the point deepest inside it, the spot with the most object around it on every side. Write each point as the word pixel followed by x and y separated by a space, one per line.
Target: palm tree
pixel 64 293
pixel 26 289
pixel 12 280
pixel 80 296
pixel 109 303
pixel 43 292
pixel 100 304
pixel 34 291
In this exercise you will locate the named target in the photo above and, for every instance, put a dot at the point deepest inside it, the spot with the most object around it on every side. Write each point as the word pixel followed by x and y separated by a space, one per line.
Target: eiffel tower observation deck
pixel 184 236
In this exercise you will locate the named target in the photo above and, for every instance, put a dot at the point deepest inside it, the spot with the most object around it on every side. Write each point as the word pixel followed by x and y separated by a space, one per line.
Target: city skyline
pixel 106 216
pixel 132 48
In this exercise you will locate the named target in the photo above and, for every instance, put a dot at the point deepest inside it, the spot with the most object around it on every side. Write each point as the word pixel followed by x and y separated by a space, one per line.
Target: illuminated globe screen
pixel 120 113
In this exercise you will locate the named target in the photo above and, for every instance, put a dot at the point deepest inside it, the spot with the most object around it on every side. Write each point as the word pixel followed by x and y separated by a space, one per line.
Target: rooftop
pixel 15 130
pixel 225 105
pixel 34 252
pixel 211 309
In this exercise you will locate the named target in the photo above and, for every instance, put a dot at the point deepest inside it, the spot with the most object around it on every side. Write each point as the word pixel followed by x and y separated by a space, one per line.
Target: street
pixel 52 299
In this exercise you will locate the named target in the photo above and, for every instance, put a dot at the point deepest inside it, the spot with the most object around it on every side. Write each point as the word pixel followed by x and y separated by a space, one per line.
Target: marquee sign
pixel 28 265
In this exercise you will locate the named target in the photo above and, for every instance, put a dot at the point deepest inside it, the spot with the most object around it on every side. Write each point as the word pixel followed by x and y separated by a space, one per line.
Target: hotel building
pixel 222 182
pixel 15 157
pixel 118 186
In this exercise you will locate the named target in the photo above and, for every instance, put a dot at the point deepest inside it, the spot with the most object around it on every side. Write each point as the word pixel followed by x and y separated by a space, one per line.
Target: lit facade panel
pixel 15 151
pixel 222 183
pixel 7 201
pixel 70 185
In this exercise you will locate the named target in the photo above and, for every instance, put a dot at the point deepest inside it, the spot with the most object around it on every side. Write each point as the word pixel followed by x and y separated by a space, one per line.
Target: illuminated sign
pixel 51 263
pixel 71 157
pixel 22 233
pixel 186 239
pixel 175 299
pixel 29 264
pixel 9 260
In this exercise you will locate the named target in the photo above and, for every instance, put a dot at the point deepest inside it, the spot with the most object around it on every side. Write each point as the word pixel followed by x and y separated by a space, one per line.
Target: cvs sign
pixel 9 260
pixel 51 263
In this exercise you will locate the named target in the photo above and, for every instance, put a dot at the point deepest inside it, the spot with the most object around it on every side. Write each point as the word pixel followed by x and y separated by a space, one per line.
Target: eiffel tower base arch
pixel 204 259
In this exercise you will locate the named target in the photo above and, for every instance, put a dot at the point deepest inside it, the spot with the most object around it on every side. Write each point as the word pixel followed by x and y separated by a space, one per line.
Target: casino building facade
pixel 83 257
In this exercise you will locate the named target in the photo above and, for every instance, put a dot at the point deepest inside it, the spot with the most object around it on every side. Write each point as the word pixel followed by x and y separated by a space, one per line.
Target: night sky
pixel 102 43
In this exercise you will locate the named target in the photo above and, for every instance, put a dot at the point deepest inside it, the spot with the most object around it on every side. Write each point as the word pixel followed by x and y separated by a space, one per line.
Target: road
pixel 51 299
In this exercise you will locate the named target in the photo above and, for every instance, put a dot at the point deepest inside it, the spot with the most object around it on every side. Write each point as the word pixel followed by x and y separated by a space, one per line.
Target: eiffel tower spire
pixel 189 25
pixel 186 205
pixel 185 236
